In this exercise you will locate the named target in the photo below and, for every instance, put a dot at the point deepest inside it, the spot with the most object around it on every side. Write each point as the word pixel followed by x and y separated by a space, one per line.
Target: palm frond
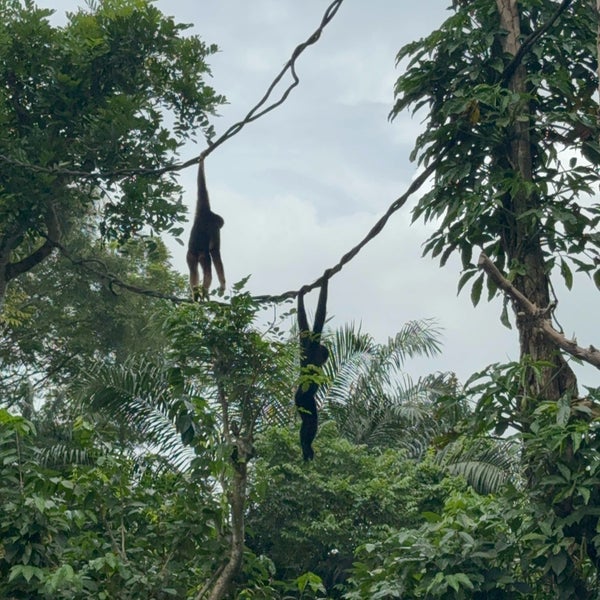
pixel 138 395
pixel 416 338
pixel 370 396
pixel 487 464
pixel 60 455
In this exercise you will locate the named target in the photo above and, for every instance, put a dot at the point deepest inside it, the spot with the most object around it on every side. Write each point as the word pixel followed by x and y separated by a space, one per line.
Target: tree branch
pixel 112 280
pixel 541 315
pixel 530 40
pixel 255 113
pixel 52 236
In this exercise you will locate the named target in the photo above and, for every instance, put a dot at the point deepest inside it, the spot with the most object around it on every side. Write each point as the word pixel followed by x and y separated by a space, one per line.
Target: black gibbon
pixel 205 241
pixel 313 353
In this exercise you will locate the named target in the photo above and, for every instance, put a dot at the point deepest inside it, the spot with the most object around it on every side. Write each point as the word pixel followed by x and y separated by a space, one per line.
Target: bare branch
pixel 541 315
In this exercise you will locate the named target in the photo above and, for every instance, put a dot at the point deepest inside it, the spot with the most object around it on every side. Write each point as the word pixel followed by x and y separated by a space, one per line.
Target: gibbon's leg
pixel 216 256
pixel 192 263
pixel 204 259
pixel 307 409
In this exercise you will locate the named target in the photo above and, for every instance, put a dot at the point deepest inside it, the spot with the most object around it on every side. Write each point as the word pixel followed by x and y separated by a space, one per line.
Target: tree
pixel 84 113
pixel 311 517
pixel 506 91
pixel 112 527
pixel 56 323
pixel 469 551
pixel 522 542
pixel 240 371
pixel 211 389
pixel 513 139
pixel 373 400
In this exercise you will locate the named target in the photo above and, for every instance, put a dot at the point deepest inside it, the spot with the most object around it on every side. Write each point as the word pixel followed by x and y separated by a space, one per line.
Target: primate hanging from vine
pixel 313 356
pixel 205 241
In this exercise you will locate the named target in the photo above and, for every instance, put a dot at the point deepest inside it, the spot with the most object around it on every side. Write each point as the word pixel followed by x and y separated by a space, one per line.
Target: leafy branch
pixel 258 110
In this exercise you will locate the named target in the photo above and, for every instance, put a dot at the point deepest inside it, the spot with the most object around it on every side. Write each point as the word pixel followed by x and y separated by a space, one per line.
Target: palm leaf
pixel 487 464
pixel 138 396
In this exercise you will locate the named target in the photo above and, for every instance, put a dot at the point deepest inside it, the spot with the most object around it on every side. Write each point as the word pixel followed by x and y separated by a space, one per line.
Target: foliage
pixel 468 551
pixel 147 494
pixel 113 529
pixel 536 537
pixel 146 407
pixel 535 542
pixel 565 491
pixel 310 517
pixel 373 400
pixel 486 463
pixel 91 112
pixel 65 323
pixel 459 74
pixel 220 346
pixel 512 137
pixel 241 372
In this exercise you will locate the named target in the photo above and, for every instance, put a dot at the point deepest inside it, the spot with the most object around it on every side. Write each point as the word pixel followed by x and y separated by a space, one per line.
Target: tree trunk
pixel 237 502
pixel 598 53
pixel 236 497
pixel 521 241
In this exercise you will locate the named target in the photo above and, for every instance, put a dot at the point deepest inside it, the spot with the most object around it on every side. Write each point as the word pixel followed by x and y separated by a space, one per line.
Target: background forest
pixel 149 444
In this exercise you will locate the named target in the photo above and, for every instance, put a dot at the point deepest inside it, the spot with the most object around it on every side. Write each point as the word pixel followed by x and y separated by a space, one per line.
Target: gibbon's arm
pixel 302 320
pixel 321 309
pixel 203 199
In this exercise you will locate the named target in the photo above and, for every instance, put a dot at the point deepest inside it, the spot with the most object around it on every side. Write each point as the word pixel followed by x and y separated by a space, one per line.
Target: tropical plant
pixel 91 113
pixel 525 542
pixel 57 324
pixel 486 463
pixel 311 517
pixel 505 90
pixel 512 138
pixel 469 551
pixel 112 528
pixel 372 398
pixel 199 404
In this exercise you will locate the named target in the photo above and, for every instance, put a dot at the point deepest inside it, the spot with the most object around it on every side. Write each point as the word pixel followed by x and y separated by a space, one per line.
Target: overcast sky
pixel 301 186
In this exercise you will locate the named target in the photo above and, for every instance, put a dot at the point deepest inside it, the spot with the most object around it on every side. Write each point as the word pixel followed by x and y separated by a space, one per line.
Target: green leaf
pixel 431 517
pixel 476 290
pixel 464 278
pixel 27 572
pixel 564 412
pixel 463 578
pixel 453 582
pixel 566 273
pixel 585 494
pixel 565 471
pixel 504 318
pixel 558 562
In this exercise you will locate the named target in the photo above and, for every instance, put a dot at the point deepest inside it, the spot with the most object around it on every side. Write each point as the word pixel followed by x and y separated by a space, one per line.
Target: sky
pixel 302 185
